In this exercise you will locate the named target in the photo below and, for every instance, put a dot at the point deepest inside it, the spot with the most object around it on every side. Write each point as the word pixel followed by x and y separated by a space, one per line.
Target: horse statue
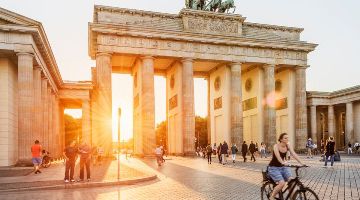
pixel 198 4
pixel 213 5
pixel 226 6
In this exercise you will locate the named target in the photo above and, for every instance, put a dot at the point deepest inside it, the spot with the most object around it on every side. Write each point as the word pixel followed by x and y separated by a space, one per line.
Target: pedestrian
pixel 70 154
pixel 214 149
pixel 252 149
pixel 219 153
pixel 349 150
pixel 234 150
pixel 309 146
pixel 356 146
pixel 158 154
pixel 330 151
pixel 244 150
pixel 163 153
pixel 85 158
pixel 224 152
pixel 263 150
pixel 36 156
pixel 94 155
pixel 100 153
pixel 277 169
pixel 208 153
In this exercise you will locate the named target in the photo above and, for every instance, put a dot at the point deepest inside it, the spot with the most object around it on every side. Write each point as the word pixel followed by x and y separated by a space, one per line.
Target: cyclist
pixel 277 169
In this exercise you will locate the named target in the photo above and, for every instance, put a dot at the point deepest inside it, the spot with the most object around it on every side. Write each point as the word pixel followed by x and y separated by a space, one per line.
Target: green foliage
pixel 72 129
pixel 161 134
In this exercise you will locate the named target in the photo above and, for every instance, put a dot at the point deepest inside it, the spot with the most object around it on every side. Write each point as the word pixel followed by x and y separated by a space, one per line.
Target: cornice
pixel 209 14
pixel 99 8
pixel 274 27
pixel 334 94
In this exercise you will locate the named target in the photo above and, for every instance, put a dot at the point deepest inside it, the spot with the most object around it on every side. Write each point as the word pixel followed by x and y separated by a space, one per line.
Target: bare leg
pixel 278 187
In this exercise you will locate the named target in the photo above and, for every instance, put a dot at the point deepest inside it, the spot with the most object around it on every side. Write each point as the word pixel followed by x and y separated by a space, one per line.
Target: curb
pixel 85 185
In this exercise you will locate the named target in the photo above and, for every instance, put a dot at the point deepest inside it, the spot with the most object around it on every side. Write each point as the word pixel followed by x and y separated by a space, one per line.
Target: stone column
pixel 313 124
pixel 208 113
pixel 50 122
pixel 236 105
pixel 349 135
pixel 103 73
pixel 331 122
pixel 269 106
pixel 57 141
pixel 37 123
pixel 62 127
pixel 26 103
pixel 188 107
pixel 148 105
pixel 300 108
pixel 45 115
pixel 86 136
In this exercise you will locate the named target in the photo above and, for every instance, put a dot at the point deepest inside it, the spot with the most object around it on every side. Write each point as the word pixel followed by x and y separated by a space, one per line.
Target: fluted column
pixel 300 108
pixel 62 127
pixel 57 141
pixel 45 115
pixel 50 122
pixel 148 105
pixel 236 105
pixel 349 135
pixel 188 107
pixel 103 73
pixel 37 129
pixel 208 113
pixel 313 124
pixel 86 136
pixel 269 106
pixel 26 102
pixel 331 122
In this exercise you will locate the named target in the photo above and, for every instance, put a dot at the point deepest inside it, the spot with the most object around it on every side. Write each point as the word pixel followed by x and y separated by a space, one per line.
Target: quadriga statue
pixel 226 6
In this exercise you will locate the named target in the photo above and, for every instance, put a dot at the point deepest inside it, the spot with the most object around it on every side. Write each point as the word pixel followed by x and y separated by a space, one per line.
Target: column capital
pixel 299 67
pixel 25 54
pixel 349 103
pixel 187 60
pixel 109 54
pixel 268 65
pixel 145 57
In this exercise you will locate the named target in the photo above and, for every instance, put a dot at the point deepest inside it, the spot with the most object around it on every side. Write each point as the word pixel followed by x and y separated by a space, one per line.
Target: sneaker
pixel 72 180
pixel 88 180
pixel 38 171
pixel 66 181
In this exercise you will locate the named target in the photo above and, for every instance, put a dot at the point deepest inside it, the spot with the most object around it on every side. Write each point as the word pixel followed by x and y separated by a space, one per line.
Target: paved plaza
pixel 188 178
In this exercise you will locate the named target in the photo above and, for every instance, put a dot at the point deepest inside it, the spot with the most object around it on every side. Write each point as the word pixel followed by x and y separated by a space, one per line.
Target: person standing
pixel 85 158
pixel 100 153
pixel 244 149
pixel 309 146
pixel 263 150
pixel 158 154
pixel 219 152
pixel 252 149
pixel 330 151
pixel 208 153
pixel 234 150
pixel 70 154
pixel 36 156
pixel 224 152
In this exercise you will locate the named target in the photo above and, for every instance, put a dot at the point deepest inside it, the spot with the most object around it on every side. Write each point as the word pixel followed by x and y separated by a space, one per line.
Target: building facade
pixel 256 76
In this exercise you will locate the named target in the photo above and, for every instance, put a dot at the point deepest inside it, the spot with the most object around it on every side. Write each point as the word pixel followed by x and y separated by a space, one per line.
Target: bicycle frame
pixel 291 188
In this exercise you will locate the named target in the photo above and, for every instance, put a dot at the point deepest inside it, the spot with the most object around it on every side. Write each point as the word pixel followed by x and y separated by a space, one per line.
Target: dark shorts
pixel 36 161
pixel 279 173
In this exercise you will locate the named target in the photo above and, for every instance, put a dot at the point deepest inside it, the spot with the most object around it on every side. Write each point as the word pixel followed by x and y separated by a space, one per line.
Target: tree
pixel 72 128
pixel 201 131
pixel 161 134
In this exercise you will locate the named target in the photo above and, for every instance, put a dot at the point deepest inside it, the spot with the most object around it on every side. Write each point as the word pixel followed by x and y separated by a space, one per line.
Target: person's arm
pixel 292 152
pixel 277 154
pixel 64 154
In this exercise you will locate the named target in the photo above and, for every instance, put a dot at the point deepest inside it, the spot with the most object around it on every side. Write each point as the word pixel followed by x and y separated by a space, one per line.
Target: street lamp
pixel 118 155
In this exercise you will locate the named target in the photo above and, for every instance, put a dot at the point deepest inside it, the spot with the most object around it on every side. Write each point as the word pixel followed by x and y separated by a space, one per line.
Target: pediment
pixel 10 18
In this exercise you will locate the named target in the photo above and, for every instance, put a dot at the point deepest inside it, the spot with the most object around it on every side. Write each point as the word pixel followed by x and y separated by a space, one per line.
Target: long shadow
pixel 211 185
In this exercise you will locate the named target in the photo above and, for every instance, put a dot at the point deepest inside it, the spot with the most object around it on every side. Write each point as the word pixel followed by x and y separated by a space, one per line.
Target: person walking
pixel 70 154
pixel 208 153
pixel 349 150
pixel 158 154
pixel 244 150
pixel 100 153
pixel 85 159
pixel 330 151
pixel 263 150
pixel 252 149
pixel 309 146
pixel 322 146
pixel 36 156
pixel 277 169
pixel 219 152
pixel 234 150
pixel 224 152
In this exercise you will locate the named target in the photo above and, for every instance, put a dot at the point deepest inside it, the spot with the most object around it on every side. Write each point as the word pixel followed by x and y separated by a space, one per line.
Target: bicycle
pixel 294 186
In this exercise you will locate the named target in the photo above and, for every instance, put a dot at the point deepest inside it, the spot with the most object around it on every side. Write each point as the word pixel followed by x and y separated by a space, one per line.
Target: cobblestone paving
pixel 186 178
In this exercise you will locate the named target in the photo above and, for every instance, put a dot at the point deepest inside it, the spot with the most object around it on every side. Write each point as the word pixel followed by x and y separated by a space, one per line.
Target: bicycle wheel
pixel 266 190
pixel 305 194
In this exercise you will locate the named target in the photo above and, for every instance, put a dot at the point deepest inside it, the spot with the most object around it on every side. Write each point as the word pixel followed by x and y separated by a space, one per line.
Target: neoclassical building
pixel 256 76
pixel 335 114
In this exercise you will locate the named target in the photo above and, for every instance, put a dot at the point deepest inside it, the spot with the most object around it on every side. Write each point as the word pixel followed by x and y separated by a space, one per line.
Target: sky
pixel 333 24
